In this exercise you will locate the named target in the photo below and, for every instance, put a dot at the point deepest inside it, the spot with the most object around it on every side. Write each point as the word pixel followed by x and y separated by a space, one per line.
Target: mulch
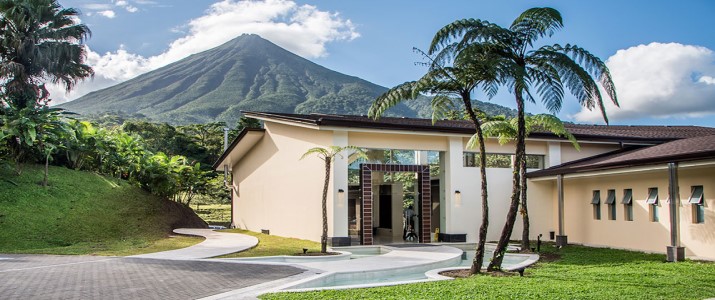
pixel 316 254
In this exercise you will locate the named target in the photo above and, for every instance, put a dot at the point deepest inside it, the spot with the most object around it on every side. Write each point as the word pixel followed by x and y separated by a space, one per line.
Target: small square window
pixel 697 195
pixel 652 196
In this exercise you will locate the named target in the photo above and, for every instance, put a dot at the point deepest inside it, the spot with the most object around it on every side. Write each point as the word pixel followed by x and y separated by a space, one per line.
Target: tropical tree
pixel 549 70
pixel 505 130
pixel 328 155
pixel 452 75
pixel 30 129
pixel 39 41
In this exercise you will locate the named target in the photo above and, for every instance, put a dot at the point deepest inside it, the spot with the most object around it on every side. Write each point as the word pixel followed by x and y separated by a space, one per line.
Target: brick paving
pixel 92 277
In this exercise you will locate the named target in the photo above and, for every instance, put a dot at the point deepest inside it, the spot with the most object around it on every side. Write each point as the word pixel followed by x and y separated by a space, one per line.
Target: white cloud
pixel 107 13
pixel 125 4
pixel 302 29
pixel 660 80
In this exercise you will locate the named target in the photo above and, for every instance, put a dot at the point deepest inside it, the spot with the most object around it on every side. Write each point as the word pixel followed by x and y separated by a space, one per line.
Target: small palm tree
pixel 549 69
pixel 39 41
pixel 328 155
pixel 506 130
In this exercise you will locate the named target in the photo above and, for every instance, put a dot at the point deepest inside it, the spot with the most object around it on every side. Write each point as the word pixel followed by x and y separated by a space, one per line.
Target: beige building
pixel 600 195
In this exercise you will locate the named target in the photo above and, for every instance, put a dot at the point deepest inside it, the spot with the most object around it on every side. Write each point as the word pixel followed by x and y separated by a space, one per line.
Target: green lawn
pixel 214 214
pixel 270 245
pixel 82 213
pixel 581 273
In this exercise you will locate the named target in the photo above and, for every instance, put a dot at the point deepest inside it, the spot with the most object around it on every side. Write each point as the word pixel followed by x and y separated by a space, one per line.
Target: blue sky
pixel 660 52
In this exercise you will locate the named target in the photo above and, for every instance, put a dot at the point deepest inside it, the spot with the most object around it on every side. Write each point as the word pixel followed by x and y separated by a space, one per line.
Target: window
pixel 696 201
pixel 652 202
pixel 494 160
pixel 596 202
pixel 628 204
pixel 611 201
pixel 534 161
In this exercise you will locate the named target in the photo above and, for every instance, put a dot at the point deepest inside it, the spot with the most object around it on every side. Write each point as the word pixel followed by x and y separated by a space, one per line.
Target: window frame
pixel 627 204
pixel 596 203
pixel 696 194
pixel 611 202
pixel 652 202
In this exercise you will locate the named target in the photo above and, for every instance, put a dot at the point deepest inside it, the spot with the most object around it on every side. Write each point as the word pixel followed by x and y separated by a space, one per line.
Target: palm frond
pixel 594 65
pixel 441 106
pixel 576 78
pixel 551 124
pixel 535 23
pixel 503 130
pixel 322 153
pixel 392 97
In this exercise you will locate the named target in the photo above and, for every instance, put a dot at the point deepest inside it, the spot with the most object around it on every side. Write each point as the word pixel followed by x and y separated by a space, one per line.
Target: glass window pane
pixel 534 161
pixel 498 160
pixel 611 197
pixel 652 196
pixel 699 213
pixel 697 196
pixel 627 196
pixel 596 197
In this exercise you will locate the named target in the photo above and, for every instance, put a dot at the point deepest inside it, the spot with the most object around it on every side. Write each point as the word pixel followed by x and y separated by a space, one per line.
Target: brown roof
pixel 611 133
pixel 702 147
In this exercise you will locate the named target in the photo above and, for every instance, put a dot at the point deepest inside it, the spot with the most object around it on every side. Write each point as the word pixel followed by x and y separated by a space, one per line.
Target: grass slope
pixel 81 213
pixel 581 273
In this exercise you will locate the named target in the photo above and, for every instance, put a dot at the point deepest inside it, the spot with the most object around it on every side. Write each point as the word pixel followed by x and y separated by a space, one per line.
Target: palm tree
pixel 506 130
pixel 39 41
pixel 468 70
pixel 327 155
pixel 548 69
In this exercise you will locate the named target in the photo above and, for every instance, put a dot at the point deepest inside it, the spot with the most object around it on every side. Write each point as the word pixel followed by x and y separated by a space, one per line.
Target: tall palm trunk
pixel 516 190
pixel 525 245
pixel 324 237
pixel 479 255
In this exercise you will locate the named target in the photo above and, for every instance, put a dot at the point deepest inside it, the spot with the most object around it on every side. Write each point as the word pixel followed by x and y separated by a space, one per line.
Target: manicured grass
pixel 581 273
pixel 132 246
pixel 214 214
pixel 81 213
pixel 270 245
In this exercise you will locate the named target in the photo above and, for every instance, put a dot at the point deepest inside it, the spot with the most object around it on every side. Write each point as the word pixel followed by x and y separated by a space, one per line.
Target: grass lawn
pixel 82 213
pixel 214 214
pixel 270 245
pixel 581 273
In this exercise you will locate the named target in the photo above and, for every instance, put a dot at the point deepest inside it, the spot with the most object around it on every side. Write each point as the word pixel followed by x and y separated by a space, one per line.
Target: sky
pixel 660 53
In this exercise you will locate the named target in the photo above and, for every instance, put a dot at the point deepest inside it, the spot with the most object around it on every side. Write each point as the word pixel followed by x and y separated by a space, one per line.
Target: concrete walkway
pixel 216 243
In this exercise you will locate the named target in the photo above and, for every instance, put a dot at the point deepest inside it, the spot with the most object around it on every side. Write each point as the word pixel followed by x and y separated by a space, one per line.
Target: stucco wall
pixel 641 233
pixel 278 191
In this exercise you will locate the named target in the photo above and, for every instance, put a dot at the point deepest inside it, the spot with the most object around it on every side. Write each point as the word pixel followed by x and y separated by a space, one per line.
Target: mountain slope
pixel 247 73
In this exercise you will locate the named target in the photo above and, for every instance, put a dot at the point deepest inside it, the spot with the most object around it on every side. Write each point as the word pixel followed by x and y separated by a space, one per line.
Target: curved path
pixel 216 243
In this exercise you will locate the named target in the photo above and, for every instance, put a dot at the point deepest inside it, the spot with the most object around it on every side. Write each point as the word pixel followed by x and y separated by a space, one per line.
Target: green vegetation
pixel 214 214
pixel 581 273
pixel 83 213
pixel 270 245
pixel 513 57
pixel 247 73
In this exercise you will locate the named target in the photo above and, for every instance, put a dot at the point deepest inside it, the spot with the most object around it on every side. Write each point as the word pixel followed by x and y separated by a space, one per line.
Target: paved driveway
pixel 93 277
